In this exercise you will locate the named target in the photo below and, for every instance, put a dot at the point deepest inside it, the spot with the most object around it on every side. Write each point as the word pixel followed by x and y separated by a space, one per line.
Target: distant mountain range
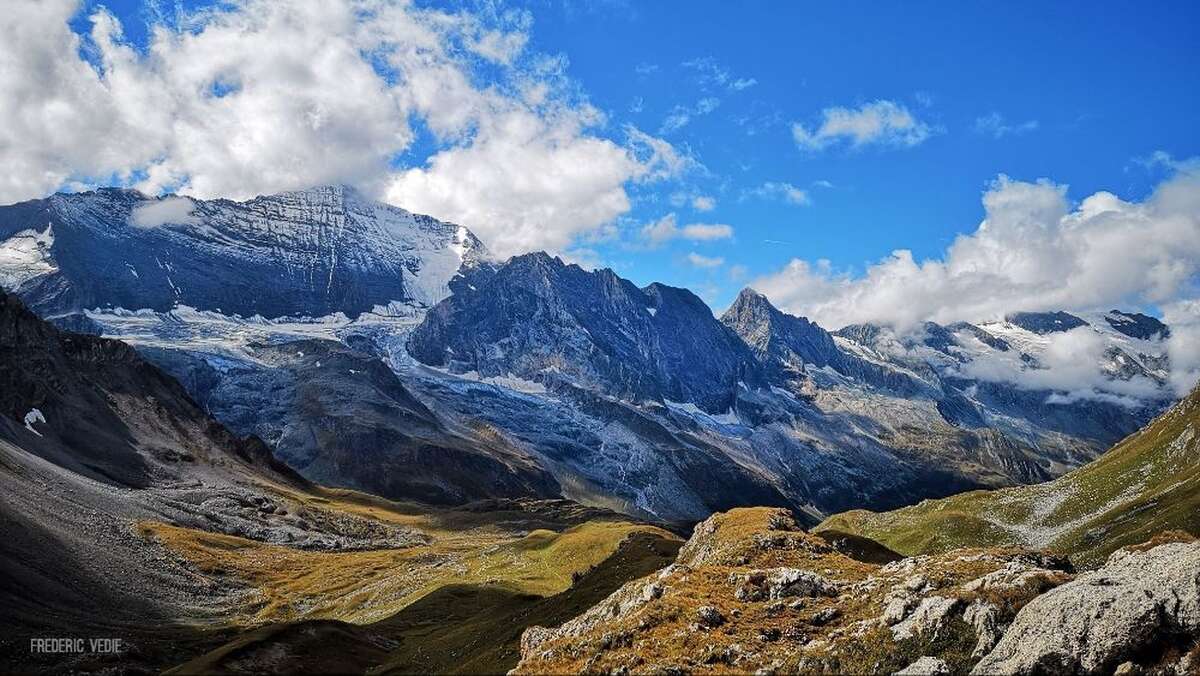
pixel 376 349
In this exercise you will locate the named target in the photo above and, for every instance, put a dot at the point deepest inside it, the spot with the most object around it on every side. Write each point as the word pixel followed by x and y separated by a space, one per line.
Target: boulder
pixel 1121 612
pixel 926 666
pixel 930 614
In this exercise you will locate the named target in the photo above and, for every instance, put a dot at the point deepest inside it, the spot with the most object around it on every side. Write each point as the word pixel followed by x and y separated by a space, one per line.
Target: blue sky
pixel 1094 96
pixel 1105 84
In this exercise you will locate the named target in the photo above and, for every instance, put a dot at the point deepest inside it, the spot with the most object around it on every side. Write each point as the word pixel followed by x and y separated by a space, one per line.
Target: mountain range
pixel 472 465
pixel 378 350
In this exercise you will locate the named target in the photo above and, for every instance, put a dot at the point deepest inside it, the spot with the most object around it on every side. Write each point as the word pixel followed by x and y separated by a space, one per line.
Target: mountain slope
pixel 1148 483
pixel 78 398
pixel 459 628
pixel 94 439
pixel 127 512
pixel 540 319
pixel 340 417
pixel 313 252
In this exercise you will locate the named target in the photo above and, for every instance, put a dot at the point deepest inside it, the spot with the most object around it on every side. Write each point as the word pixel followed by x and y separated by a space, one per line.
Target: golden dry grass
pixel 281 584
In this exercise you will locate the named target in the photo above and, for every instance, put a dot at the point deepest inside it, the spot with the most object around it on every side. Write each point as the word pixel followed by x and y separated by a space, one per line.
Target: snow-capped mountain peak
pixel 309 252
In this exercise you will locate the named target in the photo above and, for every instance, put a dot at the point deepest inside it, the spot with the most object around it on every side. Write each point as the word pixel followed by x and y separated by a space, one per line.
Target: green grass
pixel 1146 484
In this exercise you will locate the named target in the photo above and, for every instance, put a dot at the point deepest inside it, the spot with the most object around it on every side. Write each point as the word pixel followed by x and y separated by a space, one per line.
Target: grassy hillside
pixel 1146 484
pixel 457 628
pixel 513 550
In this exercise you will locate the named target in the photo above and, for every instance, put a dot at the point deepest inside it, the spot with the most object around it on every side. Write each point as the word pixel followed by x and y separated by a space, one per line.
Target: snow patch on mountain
pixel 25 256
pixel 33 417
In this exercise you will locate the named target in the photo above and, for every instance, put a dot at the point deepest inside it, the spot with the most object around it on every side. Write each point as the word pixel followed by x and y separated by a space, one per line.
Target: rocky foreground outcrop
pixel 1141 606
pixel 751 592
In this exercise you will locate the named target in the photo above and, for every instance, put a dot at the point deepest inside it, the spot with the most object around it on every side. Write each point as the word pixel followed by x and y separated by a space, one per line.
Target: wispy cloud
pixel 700 261
pixel 704 203
pixel 996 126
pixel 681 116
pixel 710 74
pixel 884 123
pixel 780 190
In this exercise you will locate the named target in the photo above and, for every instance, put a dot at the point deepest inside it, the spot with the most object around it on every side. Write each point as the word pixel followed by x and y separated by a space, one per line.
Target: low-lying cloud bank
pixel 1033 251
pixel 1068 367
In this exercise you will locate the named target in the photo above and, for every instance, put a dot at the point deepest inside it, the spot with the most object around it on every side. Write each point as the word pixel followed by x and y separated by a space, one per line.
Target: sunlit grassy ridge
pixel 276 583
pixel 1146 484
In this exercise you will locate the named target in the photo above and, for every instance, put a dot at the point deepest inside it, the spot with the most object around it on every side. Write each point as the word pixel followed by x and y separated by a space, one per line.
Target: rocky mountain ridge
pixel 536 318
pixel 313 252
pixel 546 379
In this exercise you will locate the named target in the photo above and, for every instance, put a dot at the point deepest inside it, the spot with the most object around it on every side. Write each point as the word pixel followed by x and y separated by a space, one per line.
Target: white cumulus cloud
pixel 882 122
pixel 1068 366
pixel 667 228
pixel 261 96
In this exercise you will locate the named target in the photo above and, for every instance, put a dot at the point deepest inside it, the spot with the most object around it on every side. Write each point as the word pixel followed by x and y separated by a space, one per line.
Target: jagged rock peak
pixel 776 335
pixel 1137 325
pixel 592 328
pixel 1045 322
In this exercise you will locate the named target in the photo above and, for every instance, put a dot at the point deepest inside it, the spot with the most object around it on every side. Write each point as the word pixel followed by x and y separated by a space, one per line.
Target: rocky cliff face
pixel 782 342
pixel 342 418
pixel 540 319
pixel 95 407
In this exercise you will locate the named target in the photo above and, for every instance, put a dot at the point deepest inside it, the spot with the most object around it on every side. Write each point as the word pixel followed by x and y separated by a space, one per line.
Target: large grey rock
pixel 1105 617
pixel 925 666
pixel 786 582
pixel 983 617
pixel 931 613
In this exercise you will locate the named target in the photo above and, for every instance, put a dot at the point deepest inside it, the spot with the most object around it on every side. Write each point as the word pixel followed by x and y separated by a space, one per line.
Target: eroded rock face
pixel 1138 604
pixel 928 617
